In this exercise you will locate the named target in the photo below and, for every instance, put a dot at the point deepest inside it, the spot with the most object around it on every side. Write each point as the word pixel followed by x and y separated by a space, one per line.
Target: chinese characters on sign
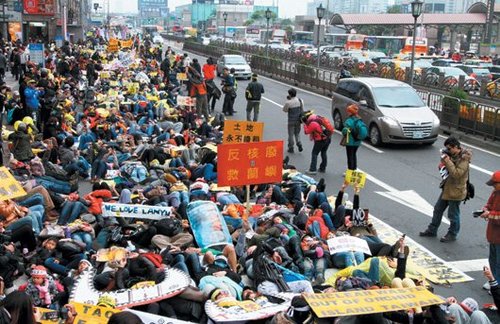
pixel 354 177
pixel 10 188
pixel 250 163
pixel 239 131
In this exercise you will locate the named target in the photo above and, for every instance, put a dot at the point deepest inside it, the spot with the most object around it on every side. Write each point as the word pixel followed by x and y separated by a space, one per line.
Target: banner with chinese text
pixel 238 131
pixel 10 188
pixel 249 163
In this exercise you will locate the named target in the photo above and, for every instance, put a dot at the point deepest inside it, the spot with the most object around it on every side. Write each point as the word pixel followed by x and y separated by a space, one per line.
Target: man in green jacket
pixel 454 170
pixel 253 94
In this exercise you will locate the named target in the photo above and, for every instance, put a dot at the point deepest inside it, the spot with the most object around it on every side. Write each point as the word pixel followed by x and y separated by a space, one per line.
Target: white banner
pixel 135 211
pixel 348 244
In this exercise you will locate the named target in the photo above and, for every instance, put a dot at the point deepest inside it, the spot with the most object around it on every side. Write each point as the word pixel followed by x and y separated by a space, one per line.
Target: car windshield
pixel 235 60
pixel 454 72
pixel 397 97
pixel 480 71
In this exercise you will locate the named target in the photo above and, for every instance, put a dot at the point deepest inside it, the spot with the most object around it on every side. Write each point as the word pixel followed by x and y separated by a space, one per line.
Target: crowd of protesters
pixel 89 117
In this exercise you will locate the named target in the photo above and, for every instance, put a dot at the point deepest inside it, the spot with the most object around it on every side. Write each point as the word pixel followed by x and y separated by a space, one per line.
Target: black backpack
pixel 169 226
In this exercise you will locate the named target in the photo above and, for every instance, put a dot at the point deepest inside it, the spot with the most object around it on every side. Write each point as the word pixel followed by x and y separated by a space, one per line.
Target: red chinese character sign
pixel 39 7
pixel 249 163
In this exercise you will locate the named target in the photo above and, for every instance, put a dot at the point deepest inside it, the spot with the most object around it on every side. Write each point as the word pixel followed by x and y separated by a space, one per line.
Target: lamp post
pixel 224 15
pixel 268 17
pixel 416 11
pixel 320 12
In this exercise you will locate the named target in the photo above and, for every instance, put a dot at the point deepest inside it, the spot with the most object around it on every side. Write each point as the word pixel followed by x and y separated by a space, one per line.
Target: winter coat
pixel 455 185
pixel 314 130
pixel 349 124
pixel 254 91
pixel 493 229
pixel 21 146
pixel 317 216
pixel 32 97
pixel 96 199
pixel 294 108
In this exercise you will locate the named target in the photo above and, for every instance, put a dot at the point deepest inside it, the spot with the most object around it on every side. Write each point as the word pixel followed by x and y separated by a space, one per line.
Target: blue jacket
pixel 32 97
pixel 349 124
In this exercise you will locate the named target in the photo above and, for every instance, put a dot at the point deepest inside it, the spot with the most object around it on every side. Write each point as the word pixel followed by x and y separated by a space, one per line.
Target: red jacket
pixel 317 216
pixel 96 198
pixel 209 71
pixel 493 229
pixel 314 130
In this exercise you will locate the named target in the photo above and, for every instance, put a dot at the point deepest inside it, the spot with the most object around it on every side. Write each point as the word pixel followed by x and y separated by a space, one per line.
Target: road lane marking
pixel 475 167
pixel 469 265
pixel 336 131
pixel 474 147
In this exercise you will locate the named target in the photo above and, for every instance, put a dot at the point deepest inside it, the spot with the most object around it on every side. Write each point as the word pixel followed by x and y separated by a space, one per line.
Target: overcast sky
pixel 287 8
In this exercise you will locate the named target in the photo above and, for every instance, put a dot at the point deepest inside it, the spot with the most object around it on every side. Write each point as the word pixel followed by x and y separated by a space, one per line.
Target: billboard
pixel 39 7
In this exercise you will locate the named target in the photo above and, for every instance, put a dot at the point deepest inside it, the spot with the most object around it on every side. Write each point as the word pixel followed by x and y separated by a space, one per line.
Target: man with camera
pixel 454 170
pixel 491 213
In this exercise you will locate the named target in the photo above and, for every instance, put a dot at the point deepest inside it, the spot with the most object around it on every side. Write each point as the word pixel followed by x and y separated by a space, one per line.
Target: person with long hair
pixel 17 308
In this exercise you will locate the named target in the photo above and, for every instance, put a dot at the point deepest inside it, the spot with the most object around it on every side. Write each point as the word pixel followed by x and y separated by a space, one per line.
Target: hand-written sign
pixel 348 244
pixel 239 131
pixel 249 163
pixel 10 188
pixel 186 101
pixel 135 211
pixel 370 301
pixel 86 314
pixel 354 178
pixel 182 77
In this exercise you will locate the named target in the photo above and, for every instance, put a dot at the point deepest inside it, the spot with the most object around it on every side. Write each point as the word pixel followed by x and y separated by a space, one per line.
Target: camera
pixel 477 213
pixel 445 152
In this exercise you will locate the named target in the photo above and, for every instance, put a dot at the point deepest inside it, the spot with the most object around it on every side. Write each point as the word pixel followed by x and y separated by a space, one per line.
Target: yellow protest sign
pixel 86 314
pixel 354 177
pixel 182 77
pixel 127 43
pixel 361 302
pixel 241 131
pixel 10 188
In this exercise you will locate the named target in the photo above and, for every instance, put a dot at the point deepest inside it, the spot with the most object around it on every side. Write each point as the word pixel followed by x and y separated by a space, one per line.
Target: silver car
pixel 238 62
pixel 392 110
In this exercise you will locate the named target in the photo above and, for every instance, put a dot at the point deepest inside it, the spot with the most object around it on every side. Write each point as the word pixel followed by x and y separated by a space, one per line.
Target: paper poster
pixel 240 131
pixel 135 211
pixel 208 224
pixel 86 314
pixel 354 177
pixel 182 77
pixel 348 244
pixel 370 301
pixel 10 188
pixel 186 101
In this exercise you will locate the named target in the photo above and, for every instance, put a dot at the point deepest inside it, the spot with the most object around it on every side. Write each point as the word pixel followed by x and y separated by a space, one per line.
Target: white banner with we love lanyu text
pixel 135 211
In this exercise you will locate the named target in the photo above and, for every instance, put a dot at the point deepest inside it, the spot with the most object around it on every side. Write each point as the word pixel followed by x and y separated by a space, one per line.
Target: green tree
pixel 286 22
pixel 257 15
pixel 395 9
pixel 249 22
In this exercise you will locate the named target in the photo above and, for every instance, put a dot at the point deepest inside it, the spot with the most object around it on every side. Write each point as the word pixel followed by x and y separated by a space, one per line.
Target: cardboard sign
pixel 354 177
pixel 250 163
pixel 127 43
pixel 348 244
pixel 182 77
pixel 186 101
pixel 240 131
pixel 370 301
pixel 135 211
pixel 10 188
pixel 86 314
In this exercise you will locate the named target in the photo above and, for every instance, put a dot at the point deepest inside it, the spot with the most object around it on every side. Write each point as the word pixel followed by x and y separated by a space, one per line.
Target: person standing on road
pixel 352 142
pixel 294 107
pixel 209 70
pixel 253 95
pixel 491 213
pixel 321 140
pixel 454 169
pixel 229 92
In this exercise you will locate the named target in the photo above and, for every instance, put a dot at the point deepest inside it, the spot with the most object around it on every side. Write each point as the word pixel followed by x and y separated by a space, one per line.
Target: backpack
pixel 326 126
pixel 360 131
pixel 169 226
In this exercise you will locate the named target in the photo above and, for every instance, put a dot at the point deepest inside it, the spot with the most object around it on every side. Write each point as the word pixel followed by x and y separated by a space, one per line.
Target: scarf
pixel 44 293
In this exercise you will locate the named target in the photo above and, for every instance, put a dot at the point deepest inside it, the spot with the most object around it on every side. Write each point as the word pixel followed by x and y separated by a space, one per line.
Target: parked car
pixel 495 71
pixel 476 72
pixel 392 110
pixel 158 39
pixel 238 62
pixel 445 62
pixel 455 72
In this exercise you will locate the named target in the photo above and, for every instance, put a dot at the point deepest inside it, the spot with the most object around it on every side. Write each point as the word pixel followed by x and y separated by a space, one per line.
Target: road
pixel 402 186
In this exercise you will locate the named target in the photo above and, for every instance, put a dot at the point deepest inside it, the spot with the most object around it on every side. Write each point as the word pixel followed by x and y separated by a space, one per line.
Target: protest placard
pixel 370 301
pixel 354 177
pixel 135 211
pixel 348 244
pixel 10 188
pixel 250 163
pixel 240 131
pixel 186 101
pixel 86 313
pixel 182 77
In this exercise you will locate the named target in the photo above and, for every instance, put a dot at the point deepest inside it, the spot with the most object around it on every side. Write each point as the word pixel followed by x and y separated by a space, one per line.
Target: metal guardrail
pixel 468 116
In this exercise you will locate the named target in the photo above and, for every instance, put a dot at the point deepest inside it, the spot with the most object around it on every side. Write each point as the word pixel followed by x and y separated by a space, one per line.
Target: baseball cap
pixel 495 178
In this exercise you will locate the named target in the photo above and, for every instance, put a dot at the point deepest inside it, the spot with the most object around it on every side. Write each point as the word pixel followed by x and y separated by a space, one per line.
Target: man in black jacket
pixel 253 95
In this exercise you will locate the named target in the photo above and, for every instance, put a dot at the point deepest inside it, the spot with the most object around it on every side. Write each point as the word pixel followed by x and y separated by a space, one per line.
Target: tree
pixel 258 15
pixel 249 22
pixel 286 22
pixel 395 9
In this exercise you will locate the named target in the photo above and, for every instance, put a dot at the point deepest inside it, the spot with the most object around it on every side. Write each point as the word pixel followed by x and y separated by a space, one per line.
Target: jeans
pixel 314 268
pixel 298 287
pixel 193 263
pixel 74 167
pixel 343 260
pixel 36 199
pixel 494 260
pixel 36 214
pixel 294 133
pixel 63 266
pixel 52 184
pixel 227 199
pixel 70 211
pixel 208 172
pixel 255 106
pixel 83 237
pixel 179 262
pixel 373 273
pixel 99 169
pixel 352 161
pixel 319 147
pixel 102 239
pixel 20 223
pixel 453 215
pixel 235 223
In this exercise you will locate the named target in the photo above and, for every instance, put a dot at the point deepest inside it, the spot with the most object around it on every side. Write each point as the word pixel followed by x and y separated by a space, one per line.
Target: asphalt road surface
pixel 402 187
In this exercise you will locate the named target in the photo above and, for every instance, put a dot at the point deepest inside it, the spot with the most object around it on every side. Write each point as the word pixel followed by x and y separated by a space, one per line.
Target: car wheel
pixel 375 137
pixel 337 120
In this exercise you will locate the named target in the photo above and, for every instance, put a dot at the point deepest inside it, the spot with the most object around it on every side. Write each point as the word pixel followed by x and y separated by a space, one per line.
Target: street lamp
pixel 416 11
pixel 224 15
pixel 268 17
pixel 320 12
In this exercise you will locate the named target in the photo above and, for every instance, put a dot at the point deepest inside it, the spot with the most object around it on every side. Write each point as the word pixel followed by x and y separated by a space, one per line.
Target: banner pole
pixel 248 198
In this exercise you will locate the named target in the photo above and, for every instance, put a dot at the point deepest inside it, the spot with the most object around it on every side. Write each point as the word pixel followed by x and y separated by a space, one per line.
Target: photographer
pixel 454 170
pixel 491 213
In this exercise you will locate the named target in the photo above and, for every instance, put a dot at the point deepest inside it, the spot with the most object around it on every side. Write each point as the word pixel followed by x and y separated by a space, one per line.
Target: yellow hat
pixel 106 301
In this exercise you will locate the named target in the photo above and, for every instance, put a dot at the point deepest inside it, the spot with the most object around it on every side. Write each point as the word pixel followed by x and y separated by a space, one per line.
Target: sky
pixel 287 8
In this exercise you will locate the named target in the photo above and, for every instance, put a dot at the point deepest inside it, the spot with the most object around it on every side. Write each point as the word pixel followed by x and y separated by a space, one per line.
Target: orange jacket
pixel 96 198
pixel 317 216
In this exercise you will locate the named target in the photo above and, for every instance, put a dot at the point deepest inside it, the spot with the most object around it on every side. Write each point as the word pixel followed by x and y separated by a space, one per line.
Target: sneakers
pixel 486 285
pixel 300 147
pixel 448 238
pixel 290 150
pixel 321 185
pixel 321 170
pixel 286 160
pixel 427 233
pixel 311 172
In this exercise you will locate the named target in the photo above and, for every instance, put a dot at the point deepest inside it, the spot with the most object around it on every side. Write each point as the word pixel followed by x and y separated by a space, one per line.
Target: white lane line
pixel 474 147
pixel 469 265
pixel 475 167
pixel 291 86
pixel 336 131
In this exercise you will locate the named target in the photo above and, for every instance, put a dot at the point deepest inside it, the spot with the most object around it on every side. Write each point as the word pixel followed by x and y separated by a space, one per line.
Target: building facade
pixel 153 12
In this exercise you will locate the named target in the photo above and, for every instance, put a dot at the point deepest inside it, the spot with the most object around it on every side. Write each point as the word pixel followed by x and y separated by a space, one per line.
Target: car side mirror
pixel 363 103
